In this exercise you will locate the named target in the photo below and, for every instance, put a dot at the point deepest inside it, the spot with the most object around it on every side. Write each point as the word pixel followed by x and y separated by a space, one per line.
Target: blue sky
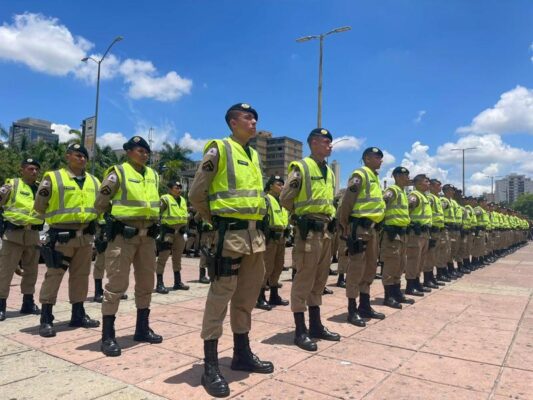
pixel 415 78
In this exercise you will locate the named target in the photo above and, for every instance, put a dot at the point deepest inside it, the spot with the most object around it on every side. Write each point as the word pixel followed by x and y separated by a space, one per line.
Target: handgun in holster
pixel 303 227
pixel 100 243
pixel 432 243
pixel 354 243
pixel 53 258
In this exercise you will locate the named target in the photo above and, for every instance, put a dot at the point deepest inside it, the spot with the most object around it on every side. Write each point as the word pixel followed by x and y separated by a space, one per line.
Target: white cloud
pixel 161 133
pixel 388 159
pixel 115 140
pixel 418 161
pixel 196 145
pixel 347 143
pixel 419 117
pixel 513 113
pixel 63 131
pixel 42 43
pixel 477 190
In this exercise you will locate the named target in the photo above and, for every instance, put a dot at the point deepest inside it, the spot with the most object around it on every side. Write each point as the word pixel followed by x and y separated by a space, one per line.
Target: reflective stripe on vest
pixel 175 213
pixel 68 202
pixel 421 214
pixel 138 194
pixel 436 208
pixel 279 217
pixel 458 211
pixel 237 189
pixel 449 211
pixel 397 213
pixel 316 194
pixel 19 208
pixel 369 203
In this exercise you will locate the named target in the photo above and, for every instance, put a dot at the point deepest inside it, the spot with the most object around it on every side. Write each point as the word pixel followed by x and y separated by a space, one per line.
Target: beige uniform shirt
pixel 236 242
pixel 108 189
pixel 347 202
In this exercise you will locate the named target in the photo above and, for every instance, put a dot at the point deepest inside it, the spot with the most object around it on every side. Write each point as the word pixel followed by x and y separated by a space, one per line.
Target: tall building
pixel 34 130
pixel 336 167
pixel 276 153
pixel 511 187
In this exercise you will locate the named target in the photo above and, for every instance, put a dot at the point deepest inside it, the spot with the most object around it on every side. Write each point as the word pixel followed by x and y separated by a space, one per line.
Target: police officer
pixel 20 236
pixel 192 245
pixel 451 225
pixel 418 236
pixel 207 242
pixel 393 244
pixel 66 199
pixel 361 213
pixel 228 191
pixel 130 195
pixel 173 223
pixel 100 243
pixel 342 250
pixel 278 220
pixel 309 194
pixel 437 237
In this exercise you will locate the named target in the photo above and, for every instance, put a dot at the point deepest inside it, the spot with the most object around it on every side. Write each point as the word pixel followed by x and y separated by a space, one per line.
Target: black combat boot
pixel 261 303
pixel 293 273
pixel 98 291
pixel 203 278
pixel 353 315
pixel 390 300
pixel 244 359
pixel 442 275
pixel 420 287
pixel 2 309
pixel 435 280
pixel 317 330
pixel 462 269
pixel 301 335
pixel 365 310
pixel 466 264
pixel 80 319
pixel 412 288
pixel 332 272
pixel 29 306
pixel 212 380
pixel 109 344
pixel 178 284
pixel 327 290
pixel 341 282
pixel 275 298
pixel 428 281
pixel 399 296
pixel 143 333
pixel 452 274
pixel 160 286
pixel 47 321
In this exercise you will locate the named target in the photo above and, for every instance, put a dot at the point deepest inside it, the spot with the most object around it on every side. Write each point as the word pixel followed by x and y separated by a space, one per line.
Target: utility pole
pixel 463 150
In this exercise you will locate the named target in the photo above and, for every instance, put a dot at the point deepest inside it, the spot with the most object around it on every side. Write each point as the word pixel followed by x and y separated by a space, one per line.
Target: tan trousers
pixel 120 254
pixel 312 259
pixel 343 257
pixel 432 254
pixel 417 247
pixel 80 250
pixel 479 246
pixel 177 251
pixel 19 246
pixel 462 253
pixel 393 253
pixel 362 266
pixel 242 290
pixel 454 244
pixel 274 259
pixel 193 241
pixel 335 241
pixel 99 266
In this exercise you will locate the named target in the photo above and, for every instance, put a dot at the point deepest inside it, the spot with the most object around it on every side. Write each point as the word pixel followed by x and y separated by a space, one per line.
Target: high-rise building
pixel 34 130
pixel 511 187
pixel 336 167
pixel 276 153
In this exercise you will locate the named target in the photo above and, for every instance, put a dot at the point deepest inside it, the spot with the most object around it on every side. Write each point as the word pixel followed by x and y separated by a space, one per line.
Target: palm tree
pixel 173 160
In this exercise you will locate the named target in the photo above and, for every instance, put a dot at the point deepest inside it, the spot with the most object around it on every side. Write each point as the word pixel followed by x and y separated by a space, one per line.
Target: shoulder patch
pixel 105 190
pixel 44 192
pixel 112 177
pixel 208 166
pixel 213 151
pixel 4 189
pixel 295 184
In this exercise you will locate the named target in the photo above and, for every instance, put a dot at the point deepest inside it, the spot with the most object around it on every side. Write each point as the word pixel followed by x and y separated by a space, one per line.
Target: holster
pixel 100 244
pixel 332 225
pixel 218 266
pixel 53 258
pixel 354 244
pixel 432 243
pixel 2 226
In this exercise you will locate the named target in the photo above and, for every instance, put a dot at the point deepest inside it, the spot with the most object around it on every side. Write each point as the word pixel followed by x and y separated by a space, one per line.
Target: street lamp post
pixel 492 182
pixel 463 150
pixel 99 62
pixel 320 58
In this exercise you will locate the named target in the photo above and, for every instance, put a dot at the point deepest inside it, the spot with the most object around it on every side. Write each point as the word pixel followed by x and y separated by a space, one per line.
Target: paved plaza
pixel 471 340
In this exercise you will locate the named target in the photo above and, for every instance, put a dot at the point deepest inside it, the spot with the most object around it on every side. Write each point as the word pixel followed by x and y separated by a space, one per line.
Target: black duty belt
pixel 234 224
pixel 12 227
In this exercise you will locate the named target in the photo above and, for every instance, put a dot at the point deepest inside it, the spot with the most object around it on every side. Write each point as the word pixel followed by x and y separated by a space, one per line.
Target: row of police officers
pixel 418 234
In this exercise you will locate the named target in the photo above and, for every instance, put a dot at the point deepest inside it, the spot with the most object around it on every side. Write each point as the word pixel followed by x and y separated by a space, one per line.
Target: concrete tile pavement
pixel 472 339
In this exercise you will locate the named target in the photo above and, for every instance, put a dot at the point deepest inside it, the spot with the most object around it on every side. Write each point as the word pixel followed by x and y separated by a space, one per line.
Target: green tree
pixel 524 204
pixel 173 159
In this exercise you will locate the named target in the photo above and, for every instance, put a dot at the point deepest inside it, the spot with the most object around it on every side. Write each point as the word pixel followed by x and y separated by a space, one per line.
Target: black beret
pixel 434 181
pixel 400 171
pixel 136 141
pixel 79 148
pixel 241 107
pixel 273 179
pixel 447 187
pixel 321 132
pixel 171 184
pixel 30 161
pixel 372 150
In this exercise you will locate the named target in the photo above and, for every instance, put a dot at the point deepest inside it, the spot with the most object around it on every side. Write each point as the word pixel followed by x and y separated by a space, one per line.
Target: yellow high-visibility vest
pixel 369 203
pixel 397 212
pixel 19 208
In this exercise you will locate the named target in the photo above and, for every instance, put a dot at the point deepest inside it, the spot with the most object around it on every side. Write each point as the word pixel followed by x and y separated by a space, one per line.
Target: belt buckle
pixel 143 232
pixel 27 227
pixel 79 233
pixel 252 224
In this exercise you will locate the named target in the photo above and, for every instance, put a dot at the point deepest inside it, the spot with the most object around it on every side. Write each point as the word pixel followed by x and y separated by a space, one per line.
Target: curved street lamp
pixel 321 38
pixel 99 62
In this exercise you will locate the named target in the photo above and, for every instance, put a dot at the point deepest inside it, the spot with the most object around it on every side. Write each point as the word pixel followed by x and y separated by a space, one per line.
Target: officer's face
pixel 435 188
pixel 243 125
pixel 139 155
pixel 403 180
pixel 424 185
pixel 29 173
pixel 76 160
pixel 276 187
pixel 321 146
pixel 373 161
pixel 175 191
